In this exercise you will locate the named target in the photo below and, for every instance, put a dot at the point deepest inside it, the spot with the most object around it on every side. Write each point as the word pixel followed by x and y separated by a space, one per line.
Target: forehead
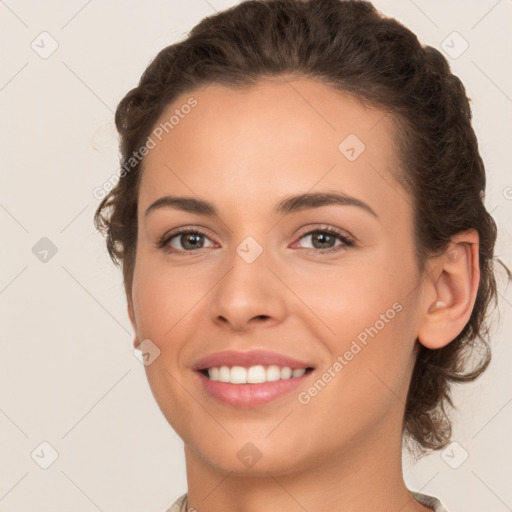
pixel 271 139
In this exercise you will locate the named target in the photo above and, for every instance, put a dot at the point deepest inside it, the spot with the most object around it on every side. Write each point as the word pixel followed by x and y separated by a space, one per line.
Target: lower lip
pixel 251 395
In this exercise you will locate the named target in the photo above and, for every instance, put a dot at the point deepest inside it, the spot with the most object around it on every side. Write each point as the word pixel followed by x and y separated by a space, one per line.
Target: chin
pixel 250 455
pixel 249 461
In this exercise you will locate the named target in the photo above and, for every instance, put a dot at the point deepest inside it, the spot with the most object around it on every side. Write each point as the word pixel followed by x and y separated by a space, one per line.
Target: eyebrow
pixel 287 206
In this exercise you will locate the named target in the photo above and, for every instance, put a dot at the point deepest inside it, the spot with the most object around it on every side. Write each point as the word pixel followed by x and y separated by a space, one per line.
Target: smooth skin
pixel 245 151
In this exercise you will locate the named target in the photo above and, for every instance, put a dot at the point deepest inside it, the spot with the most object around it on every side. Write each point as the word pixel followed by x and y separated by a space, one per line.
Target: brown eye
pixel 189 241
pixel 325 240
pixel 185 241
pixel 322 240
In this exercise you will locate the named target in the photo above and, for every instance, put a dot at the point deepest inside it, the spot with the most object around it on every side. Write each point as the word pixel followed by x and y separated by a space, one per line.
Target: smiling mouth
pixel 257 374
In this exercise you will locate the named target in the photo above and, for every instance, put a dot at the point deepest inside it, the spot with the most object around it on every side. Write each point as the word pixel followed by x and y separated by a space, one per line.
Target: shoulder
pixel 428 501
pixel 179 505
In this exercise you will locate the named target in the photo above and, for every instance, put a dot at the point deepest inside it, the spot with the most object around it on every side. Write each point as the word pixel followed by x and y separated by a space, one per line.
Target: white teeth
pixel 286 372
pixel 273 373
pixel 254 374
pixel 214 373
pixel 224 374
pixel 238 375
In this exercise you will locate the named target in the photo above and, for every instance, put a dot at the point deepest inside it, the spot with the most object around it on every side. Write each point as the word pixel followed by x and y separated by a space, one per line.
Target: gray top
pixel 180 505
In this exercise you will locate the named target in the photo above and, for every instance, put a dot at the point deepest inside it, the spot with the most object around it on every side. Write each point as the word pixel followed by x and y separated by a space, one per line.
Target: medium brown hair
pixel 350 46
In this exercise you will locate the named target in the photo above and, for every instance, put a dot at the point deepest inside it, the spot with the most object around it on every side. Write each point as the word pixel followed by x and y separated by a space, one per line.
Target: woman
pixel 306 253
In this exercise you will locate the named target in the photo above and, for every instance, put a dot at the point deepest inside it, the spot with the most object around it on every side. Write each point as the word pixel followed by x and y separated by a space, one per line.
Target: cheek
pixel 351 296
pixel 366 381
pixel 163 299
pixel 163 296
pixel 366 314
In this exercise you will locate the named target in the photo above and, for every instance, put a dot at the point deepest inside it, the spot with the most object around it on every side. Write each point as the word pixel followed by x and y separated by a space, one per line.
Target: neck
pixel 365 476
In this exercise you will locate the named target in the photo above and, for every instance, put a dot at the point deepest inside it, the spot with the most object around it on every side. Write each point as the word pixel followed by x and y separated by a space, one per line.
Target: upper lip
pixel 249 358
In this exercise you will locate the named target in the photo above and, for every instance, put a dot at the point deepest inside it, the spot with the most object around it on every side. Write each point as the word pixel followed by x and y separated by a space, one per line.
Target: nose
pixel 248 295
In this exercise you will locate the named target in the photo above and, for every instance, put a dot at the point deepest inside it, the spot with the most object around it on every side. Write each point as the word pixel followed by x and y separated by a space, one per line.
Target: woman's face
pixel 255 282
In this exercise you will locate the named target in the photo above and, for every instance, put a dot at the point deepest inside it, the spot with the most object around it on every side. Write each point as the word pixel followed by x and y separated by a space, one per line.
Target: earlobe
pixel 452 289
pixel 131 315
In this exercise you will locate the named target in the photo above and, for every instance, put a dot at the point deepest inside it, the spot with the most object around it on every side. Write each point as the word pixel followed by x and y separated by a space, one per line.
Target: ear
pixel 450 291
pixel 131 315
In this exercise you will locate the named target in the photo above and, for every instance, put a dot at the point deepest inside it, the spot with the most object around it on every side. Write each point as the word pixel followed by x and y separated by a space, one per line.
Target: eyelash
pixel 346 241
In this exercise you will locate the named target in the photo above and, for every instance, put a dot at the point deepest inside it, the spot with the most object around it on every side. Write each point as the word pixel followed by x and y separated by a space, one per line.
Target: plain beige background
pixel 68 377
